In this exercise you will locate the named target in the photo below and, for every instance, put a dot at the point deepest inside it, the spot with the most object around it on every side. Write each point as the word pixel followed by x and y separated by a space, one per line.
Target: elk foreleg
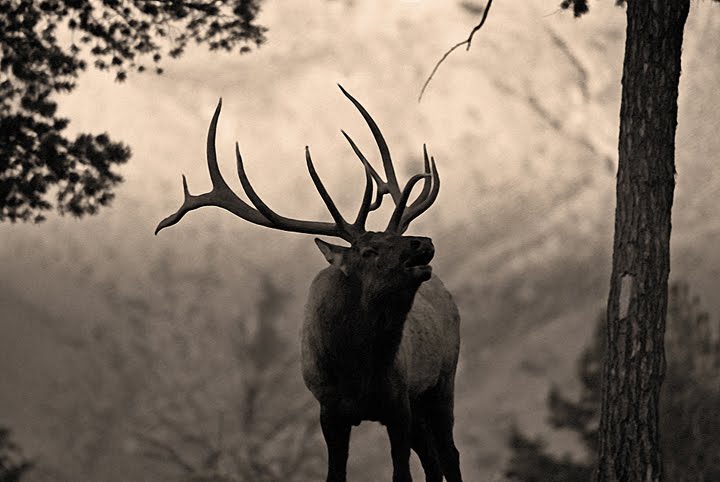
pixel 399 428
pixel 336 430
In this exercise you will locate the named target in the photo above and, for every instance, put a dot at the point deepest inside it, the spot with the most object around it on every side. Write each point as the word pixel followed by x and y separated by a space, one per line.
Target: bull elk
pixel 380 339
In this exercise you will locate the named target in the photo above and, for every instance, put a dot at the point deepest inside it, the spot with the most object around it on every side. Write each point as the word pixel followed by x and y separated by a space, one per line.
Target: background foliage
pixel 194 393
pixel 690 404
pixel 44 45
pixel 13 464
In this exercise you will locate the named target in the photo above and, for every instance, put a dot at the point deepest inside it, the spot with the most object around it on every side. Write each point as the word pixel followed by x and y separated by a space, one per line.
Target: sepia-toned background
pixel 117 346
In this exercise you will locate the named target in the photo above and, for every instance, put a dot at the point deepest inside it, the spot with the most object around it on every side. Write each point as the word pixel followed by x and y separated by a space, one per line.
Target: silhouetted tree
pixel 45 44
pixel 634 366
pixel 689 405
pixel 637 303
pixel 13 464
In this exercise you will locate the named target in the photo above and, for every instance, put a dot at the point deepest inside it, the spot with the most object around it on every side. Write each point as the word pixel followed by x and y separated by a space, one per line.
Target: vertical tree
pixel 629 440
pixel 689 406
pixel 634 365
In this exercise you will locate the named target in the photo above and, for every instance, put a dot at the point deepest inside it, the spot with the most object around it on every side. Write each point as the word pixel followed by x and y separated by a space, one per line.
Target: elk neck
pixel 365 330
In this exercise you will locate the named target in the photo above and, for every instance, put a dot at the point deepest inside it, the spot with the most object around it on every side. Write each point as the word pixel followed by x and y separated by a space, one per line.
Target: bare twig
pixel 565 48
pixel 182 430
pixel 467 42
pixel 553 13
pixel 300 453
pixel 164 451
pixel 290 417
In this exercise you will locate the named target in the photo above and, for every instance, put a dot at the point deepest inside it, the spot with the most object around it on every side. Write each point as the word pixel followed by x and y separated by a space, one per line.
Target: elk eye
pixel 368 252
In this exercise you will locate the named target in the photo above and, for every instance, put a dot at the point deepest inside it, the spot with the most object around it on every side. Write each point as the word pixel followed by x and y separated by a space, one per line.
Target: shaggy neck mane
pixel 362 333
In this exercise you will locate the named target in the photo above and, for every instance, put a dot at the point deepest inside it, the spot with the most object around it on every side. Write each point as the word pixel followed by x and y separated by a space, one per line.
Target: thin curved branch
pixel 467 42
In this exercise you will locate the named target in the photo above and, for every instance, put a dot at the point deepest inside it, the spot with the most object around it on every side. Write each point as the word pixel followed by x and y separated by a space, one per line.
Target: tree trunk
pixel 637 304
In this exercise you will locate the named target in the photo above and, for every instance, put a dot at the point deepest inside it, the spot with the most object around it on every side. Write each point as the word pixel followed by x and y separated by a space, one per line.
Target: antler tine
pixel 427 197
pixel 382 186
pixel 394 224
pixel 217 180
pixel 340 228
pixel 392 183
pixel 431 187
pixel 339 220
pixel 263 208
pixel 426 185
pixel 220 195
pixel 365 206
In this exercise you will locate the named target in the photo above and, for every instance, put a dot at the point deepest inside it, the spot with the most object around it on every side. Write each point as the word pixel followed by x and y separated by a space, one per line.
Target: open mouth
pixel 418 265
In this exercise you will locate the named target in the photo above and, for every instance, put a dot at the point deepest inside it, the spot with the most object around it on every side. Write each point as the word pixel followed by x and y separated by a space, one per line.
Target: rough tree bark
pixel 637 304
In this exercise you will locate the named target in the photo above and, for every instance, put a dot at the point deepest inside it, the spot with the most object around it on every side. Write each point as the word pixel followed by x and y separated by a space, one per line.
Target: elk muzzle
pixel 417 258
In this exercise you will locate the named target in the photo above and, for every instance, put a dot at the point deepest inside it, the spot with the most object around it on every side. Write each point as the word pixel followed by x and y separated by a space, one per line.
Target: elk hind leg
pixel 424 446
pixel 441 420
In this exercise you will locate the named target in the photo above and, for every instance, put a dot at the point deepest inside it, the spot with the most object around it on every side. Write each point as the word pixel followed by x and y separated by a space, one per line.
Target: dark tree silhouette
pixel 629 440
pixel 689 404
pixel 634 365
pixel 45 44
pixel 13 464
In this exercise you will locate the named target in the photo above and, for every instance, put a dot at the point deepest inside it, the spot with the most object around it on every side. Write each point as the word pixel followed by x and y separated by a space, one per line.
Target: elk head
pixel 383 264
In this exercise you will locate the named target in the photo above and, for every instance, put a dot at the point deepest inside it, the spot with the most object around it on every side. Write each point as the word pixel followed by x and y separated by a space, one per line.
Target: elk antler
pixel 402 216
pixel 222 196
pixel 427 196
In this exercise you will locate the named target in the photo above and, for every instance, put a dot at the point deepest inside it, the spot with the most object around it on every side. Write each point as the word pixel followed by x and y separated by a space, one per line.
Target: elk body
pixel 380 339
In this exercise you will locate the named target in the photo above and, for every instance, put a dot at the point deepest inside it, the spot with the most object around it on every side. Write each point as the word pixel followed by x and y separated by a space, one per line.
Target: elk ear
pixel 334 254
